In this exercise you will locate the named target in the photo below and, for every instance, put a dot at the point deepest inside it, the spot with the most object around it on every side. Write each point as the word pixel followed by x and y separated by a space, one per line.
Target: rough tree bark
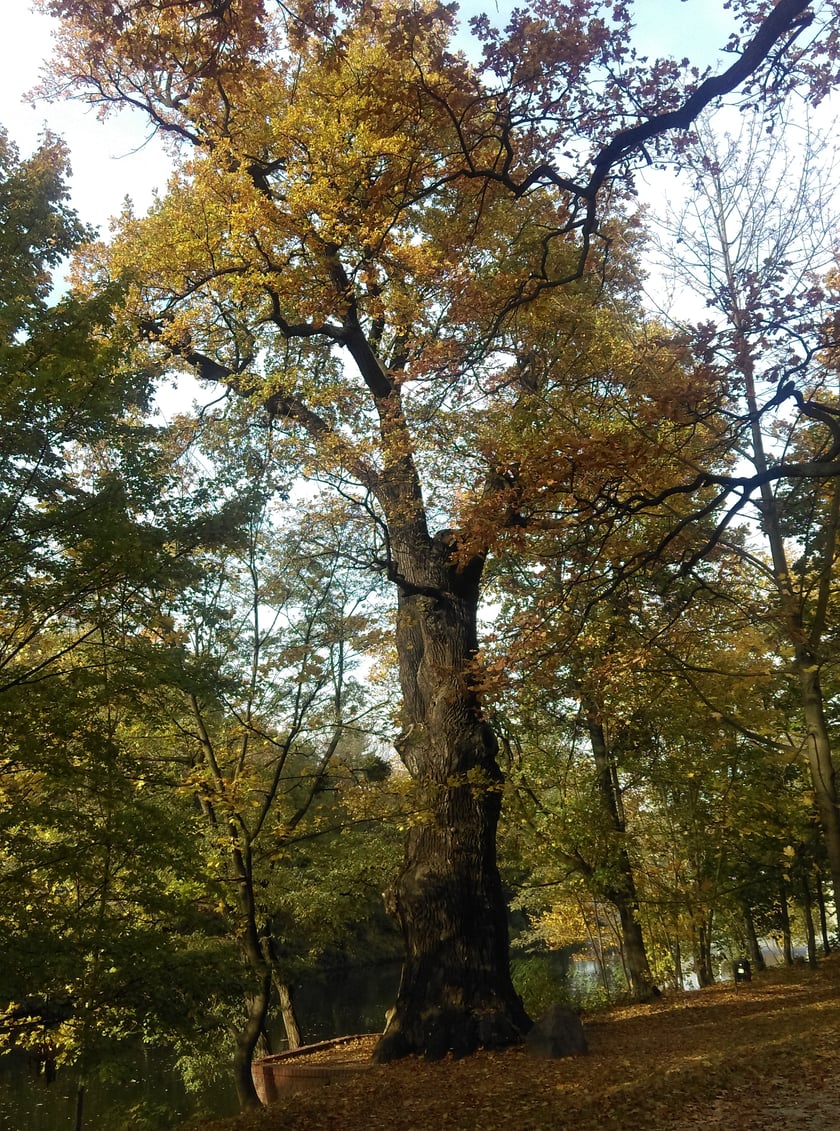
pixel 456 992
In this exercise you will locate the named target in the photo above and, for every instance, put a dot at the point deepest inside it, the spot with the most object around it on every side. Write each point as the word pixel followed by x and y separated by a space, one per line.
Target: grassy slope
pixel 763 1055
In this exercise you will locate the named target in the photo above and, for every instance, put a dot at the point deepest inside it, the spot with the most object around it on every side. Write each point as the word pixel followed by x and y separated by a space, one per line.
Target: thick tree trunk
pixel 80 1108
pixel 456 992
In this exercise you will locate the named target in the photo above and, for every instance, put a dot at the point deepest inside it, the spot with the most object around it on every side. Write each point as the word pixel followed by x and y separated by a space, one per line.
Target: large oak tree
pixel 364 235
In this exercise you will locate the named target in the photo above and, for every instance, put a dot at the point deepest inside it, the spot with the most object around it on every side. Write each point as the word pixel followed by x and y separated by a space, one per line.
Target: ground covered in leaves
pixel 758 1056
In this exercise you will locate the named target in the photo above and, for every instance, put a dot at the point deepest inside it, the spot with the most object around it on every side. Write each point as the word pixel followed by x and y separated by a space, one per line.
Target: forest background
pixel 227 698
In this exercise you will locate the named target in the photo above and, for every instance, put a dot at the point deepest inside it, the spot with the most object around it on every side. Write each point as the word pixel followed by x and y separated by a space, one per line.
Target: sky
pixel 118 157
pixel 109 160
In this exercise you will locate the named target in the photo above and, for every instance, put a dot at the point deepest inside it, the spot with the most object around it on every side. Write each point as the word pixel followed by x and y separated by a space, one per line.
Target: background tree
pixel 274 729
pixel 690 731
pixel 99 895
pixel 752 241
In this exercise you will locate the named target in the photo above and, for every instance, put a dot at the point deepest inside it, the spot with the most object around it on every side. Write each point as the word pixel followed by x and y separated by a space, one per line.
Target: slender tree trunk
pixel 621 891
pixel 787 944
pixel 456 992
pixel 703 955
pixel 284 994
pixel 808 911
pixel 823 917
pixel 753 947
pixel 246 1041
pixel 256 950
pixel 287 1012
pixel 633 947
pixel 596 941
pixel 706 942
pixel 820 762
pixel 80 1108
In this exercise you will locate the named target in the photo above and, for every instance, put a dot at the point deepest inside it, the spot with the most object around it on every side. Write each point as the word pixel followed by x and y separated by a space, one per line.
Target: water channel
pixel 151 1097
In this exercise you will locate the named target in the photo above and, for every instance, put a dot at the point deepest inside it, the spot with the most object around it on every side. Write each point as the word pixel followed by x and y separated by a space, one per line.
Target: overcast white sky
pixel 108 162
pixel 116 159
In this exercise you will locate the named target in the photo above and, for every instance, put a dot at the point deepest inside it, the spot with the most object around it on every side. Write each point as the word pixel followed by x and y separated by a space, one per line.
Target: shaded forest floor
pixel 759 1056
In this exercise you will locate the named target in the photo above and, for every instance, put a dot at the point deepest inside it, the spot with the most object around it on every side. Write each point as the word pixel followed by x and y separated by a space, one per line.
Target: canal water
pixel 149 1095
pixel 153 1099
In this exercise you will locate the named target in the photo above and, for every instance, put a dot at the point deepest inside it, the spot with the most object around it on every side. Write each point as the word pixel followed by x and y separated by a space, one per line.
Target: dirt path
pixel 782 1106
pixel 762 1056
